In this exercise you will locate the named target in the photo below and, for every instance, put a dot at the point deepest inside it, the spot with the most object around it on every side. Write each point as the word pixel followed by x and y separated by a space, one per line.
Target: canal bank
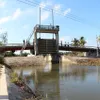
pixel 3 83
pixel 25 61
pixel 42 60
pixel 15 91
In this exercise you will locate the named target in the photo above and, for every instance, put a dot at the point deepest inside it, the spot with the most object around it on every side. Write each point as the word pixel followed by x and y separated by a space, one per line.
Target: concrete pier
pixel 53 58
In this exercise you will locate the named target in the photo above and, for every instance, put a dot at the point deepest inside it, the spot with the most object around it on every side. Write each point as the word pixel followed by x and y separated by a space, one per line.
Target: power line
pixel 70 16
pixel 47 9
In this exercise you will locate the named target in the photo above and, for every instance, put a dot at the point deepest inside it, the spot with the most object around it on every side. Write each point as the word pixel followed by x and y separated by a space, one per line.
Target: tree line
pixel 78 42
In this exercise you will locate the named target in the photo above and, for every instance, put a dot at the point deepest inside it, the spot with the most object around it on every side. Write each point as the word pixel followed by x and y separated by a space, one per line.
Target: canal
pixel 64 82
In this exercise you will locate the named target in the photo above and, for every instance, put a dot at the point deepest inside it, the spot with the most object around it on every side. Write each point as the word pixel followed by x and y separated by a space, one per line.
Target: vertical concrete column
pixel 97 52
pixel 57 41
pixel 35 44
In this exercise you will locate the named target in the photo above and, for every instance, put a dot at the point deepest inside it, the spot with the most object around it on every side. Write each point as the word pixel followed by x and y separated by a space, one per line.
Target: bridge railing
pixel 47 27
pixel 16 44
pixel 62 45
pixel 70 45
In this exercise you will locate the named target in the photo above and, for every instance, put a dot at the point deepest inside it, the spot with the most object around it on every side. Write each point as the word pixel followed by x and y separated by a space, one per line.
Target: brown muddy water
pixel 64 82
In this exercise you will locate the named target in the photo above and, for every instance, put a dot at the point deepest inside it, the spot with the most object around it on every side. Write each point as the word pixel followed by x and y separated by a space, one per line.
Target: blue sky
pixel 19 19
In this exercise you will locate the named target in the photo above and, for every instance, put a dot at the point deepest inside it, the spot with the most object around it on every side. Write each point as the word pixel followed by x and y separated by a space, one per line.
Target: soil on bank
pixel 41 61
pixel 24 61
pixel 83 61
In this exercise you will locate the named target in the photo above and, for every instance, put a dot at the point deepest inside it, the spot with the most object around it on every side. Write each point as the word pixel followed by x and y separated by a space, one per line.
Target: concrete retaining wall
pixel 3 84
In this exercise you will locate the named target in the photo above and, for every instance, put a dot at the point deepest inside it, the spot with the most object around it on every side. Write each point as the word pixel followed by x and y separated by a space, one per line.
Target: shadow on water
pixel 64 82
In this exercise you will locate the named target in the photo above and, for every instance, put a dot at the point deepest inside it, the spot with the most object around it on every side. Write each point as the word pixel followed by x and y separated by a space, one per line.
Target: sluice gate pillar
pixel 46 46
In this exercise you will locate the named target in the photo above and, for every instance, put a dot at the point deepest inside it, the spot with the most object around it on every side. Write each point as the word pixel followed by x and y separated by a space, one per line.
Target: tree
pixel 75 42
pixel 98 40
pixel 82 41
pixel 3 38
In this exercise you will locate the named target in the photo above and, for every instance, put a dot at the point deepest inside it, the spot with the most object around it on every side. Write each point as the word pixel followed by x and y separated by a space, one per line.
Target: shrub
pixel 16 79
pixel 9 54
pixel 1 60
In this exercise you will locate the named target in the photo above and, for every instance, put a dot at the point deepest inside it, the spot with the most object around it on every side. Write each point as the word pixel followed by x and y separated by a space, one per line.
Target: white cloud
pixel 42 5
pixel 45 15
pixel 16 14
pixel 45 4
pixel 57 7
pixel 67 11
pixel 5 19
pixel 2 3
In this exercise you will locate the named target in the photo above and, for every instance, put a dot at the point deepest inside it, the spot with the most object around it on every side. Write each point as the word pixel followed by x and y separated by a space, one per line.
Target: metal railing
pixel 63 45
pixel 70 45
pixel 47 27
pixel 15 44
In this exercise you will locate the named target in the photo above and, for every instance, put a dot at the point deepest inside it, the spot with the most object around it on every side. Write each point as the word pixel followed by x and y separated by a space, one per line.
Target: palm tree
pixel 75 42
pixel 82 41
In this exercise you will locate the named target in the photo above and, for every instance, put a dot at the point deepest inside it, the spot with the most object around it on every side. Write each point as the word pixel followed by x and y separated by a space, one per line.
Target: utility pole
pixel 97 46
pixel 52 18
pixel 53 21
pixel 39 20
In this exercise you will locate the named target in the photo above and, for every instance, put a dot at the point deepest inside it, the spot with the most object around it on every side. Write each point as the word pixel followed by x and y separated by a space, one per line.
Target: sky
pixel 76 18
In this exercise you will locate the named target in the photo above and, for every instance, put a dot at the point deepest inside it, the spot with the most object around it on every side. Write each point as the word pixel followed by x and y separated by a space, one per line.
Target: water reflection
pixel 74 72
pixel 64 82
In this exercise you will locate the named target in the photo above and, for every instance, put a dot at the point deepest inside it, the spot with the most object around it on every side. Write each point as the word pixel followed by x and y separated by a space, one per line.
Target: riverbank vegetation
pixel 25 89
pixel 1 60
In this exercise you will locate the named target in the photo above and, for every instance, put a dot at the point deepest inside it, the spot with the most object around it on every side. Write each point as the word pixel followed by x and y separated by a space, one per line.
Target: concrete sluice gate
pixel 46 46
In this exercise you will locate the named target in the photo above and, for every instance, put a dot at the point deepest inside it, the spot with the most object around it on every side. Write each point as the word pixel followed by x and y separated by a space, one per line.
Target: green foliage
pixel 1 60
pixel 15 78
pixel 1 43
pixel 82 41
pixel 9 54
pixel 79 42
pixel 75 42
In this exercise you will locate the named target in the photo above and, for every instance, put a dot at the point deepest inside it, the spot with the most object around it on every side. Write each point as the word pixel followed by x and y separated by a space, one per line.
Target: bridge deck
pixel 63 48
